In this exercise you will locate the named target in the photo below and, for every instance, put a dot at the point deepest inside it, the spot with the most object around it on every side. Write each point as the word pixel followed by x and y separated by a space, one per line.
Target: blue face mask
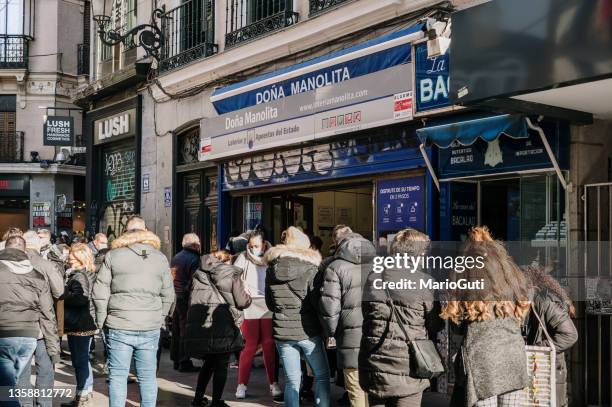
pixel 256 252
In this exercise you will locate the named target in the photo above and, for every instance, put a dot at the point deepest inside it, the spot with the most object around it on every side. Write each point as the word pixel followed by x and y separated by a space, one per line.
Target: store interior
pixel 314 211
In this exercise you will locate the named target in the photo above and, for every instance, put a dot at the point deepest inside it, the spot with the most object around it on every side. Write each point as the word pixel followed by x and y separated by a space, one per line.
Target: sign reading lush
pixel 58 131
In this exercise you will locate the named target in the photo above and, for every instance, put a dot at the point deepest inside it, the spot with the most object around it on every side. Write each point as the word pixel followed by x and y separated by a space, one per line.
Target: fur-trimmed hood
pixel 137 236
pixel 281 250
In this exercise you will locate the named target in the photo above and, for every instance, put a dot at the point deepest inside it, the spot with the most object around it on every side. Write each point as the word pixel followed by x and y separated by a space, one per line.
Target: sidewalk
pixel 177 389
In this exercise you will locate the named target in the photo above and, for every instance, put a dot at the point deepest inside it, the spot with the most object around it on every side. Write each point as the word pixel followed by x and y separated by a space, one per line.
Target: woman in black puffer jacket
pixel 291 295
pixel 79 319
pixel 212 331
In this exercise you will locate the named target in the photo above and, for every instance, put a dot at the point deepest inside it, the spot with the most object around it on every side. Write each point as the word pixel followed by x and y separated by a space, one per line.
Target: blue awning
pixel 467 132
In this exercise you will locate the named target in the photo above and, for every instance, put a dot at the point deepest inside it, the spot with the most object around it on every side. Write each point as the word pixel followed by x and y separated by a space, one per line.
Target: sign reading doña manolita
pixel 58 131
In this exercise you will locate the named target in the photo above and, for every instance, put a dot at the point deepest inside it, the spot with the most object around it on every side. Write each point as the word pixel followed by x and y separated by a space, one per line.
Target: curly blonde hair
pixel 84 255
pixel 506 292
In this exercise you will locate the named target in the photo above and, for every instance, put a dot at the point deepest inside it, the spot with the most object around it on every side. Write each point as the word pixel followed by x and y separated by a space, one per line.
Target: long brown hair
pixel 505 292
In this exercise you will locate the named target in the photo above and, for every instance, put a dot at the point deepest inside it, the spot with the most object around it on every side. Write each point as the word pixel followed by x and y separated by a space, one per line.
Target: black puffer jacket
pixel 554 313
pixel 291 292
pixel 340 300
pixel 384 359
pixel 79 309
pixel 215 311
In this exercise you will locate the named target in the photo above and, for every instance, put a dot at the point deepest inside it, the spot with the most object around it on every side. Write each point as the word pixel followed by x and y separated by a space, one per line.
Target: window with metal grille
pixel 119 56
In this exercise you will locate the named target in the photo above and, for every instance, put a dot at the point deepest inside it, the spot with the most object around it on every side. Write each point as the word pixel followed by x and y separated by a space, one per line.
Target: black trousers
pixel 179 319
pixel 414 400
pixel 215 366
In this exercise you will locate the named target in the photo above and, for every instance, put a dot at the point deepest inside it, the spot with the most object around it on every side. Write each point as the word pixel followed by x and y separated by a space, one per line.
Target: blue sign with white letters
pixel 400 204
pixel 432 79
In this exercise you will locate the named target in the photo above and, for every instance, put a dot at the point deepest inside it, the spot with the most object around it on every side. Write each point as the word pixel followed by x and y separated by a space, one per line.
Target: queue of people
pixel 286 299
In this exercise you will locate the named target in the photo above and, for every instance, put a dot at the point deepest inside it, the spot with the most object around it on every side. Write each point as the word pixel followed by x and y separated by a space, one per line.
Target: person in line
pixel 132 294
pixel 340 304
pixel 257 325
pixel 291 296
pixel 100 242
pixel 183 266
pixel 491 364
pixel 212 331
pixel 385 371
pixel 555 309
pixel 79 320
pixel 45 372
pixel 26 310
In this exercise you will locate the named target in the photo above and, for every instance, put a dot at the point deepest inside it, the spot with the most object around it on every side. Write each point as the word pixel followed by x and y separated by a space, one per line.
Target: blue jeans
pixel 316 357
pixel 15 354
pixel 45 375
pixel 79 354
pixel 120 345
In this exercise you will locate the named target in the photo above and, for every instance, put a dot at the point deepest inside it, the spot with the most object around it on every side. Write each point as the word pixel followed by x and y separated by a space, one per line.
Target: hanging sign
pixel 58 131
pixel 431 79
pixel 400 204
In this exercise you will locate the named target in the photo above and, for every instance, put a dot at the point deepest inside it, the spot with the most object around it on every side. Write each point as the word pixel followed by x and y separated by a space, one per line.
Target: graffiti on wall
pixel 340 158
pixel 119 184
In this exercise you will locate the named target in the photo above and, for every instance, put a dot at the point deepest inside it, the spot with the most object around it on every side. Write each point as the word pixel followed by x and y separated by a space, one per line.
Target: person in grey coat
pixel 132 294
pixel 555 309
pixel 385 371
pixel 340 304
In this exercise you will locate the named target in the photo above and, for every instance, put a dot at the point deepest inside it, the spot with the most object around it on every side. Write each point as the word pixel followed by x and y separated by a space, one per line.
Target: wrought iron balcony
pixel 13 51
pixel 319 6
pixel 189 31
pixel 250 19
pixel 11 146
pixel 83 59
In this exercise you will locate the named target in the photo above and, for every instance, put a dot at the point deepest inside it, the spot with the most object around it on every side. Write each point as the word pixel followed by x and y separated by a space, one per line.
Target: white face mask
pixel 256 252
pixel 102 246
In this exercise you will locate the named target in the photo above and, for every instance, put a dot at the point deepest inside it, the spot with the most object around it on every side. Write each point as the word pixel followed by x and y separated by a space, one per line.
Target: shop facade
pixel 325 142
pixel 113 193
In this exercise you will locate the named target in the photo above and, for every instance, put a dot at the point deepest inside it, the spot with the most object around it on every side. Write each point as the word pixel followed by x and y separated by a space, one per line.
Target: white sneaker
pixel 241 391
pixel 275 389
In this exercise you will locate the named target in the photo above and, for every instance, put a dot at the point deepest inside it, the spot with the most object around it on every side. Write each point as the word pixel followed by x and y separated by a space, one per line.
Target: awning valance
pixel 467 132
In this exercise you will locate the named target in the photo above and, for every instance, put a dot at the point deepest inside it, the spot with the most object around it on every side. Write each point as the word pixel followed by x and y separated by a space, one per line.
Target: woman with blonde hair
pixel 79 319
pixel 491 364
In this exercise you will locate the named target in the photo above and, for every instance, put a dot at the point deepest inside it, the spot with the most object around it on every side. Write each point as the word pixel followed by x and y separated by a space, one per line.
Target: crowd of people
pixel 312 315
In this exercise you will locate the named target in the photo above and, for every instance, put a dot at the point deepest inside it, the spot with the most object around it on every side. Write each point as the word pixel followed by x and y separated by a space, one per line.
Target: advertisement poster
pixel 254 215
pixel 400 204
pixel 41 214
pixel 64 217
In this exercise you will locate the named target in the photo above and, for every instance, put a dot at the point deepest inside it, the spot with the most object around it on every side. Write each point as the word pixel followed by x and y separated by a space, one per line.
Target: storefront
pixel 14 201
pixel 325 142
pixel 114 164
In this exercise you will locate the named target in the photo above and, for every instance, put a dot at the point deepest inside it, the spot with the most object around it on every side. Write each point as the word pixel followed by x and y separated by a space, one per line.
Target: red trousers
pixel 255 332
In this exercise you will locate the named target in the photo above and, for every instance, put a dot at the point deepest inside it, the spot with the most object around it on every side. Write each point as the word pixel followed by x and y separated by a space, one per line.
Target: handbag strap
pixel 394 312
pixel 550 341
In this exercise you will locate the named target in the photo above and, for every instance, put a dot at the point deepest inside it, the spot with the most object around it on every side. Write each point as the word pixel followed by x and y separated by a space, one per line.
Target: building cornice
pixel 35 168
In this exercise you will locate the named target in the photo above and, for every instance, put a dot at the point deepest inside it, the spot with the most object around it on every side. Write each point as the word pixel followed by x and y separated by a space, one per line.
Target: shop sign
pixel 14 185
pixel 58 131
pixel 64 217
pixel 431 79
pixel 376 153
pixel 374 100
pixel 504 154
pixel 41 214
pixel 400 204
pixel 458 210
pixel 115 127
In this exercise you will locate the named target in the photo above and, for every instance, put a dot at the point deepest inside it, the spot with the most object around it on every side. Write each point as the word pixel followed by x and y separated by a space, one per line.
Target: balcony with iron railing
pixel 13 51
pixel 249 19
pixel 11 146
pixel 188 33
pixel 320 6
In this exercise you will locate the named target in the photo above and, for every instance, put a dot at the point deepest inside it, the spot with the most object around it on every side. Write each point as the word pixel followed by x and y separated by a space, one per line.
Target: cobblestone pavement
pixel 177 389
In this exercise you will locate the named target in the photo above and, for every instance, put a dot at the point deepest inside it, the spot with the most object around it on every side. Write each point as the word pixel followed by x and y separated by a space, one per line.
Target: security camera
pixel 44 164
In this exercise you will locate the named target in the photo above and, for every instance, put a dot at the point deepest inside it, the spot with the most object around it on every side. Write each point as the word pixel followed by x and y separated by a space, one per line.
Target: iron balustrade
pixel 13 51
pixel 188 33
pixel 319 6
pixel 83 59
pixel 11 146
pixel 250 19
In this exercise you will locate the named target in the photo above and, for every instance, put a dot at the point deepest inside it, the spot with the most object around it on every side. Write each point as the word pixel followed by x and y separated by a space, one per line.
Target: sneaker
pixel 275 389
pixel 279 399
pixel 241 391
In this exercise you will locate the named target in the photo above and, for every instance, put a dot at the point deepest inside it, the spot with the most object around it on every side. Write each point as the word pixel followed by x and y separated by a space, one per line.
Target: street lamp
pixel 147 36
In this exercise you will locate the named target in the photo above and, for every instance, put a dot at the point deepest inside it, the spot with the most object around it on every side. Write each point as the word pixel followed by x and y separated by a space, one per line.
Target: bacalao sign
pixel 366 86
pixel 115 127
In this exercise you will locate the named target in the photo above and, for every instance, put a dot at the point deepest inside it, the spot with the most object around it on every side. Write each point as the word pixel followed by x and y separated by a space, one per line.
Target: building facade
pixel 42 61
